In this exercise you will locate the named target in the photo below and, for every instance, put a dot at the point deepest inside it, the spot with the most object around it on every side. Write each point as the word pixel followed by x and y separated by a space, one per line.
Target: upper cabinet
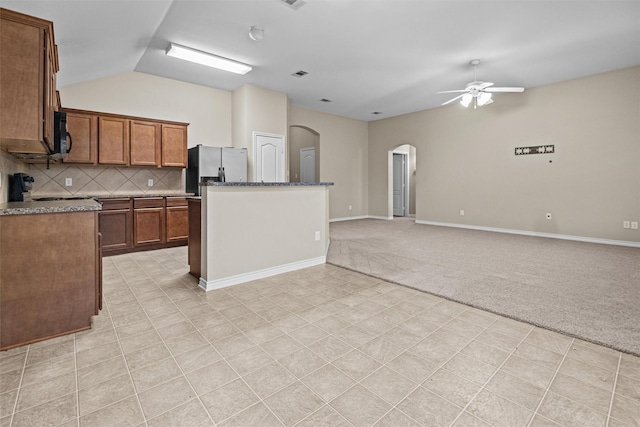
pixel 111 139
pixel 84 140
pixel 28 67
pixel 174 145
pixel 145 143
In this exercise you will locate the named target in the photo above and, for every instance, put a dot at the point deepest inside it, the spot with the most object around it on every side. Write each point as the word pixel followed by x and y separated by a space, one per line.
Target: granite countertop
pixel 53 206
pixel 264 184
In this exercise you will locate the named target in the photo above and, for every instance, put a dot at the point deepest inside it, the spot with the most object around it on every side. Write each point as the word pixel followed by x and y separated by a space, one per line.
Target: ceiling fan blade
pixel 504 89
pixel 485 85
pixel 451 100
pixel 453 91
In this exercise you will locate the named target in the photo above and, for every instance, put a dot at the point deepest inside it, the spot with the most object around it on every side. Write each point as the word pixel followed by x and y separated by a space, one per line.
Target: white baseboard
pixel 535 234
pixel 209 285
pixel 350 218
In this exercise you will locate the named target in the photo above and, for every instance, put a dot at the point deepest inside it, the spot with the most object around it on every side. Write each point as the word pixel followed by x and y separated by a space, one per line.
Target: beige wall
pixel 465 159
pixel 256 109
pixel 343 159
pixel 207 110
pixel 254 232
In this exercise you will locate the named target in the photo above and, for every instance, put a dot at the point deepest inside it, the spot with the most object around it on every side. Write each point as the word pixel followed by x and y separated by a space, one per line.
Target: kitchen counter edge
pixel 53 206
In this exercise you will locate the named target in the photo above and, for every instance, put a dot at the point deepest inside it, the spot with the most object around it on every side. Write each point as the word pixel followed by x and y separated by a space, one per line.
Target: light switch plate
pixel 68 182
pixel 150 182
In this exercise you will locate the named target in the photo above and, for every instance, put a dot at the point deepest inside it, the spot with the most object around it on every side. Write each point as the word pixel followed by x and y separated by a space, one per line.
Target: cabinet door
pixel 115 226
pixel 177 223
pixel 149 226
pixel 83 129
pixel 145 143
pixel 174 145
pixel 113 141
pixel 21 83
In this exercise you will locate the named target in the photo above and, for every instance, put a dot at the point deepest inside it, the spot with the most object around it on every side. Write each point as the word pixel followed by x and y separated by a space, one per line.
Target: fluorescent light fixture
pixel 466 99
pixel 207 59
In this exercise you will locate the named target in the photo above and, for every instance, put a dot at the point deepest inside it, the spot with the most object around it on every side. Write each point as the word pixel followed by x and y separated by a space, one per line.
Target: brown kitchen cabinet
pixel 116 225
pixel 177 214
pixel 113 140
pixel 174 145
pixel 126 140
pixel 143 223
pixel 49 277
pixel 27 83
pixel 148 221
pixel 145 143
pixel 83 129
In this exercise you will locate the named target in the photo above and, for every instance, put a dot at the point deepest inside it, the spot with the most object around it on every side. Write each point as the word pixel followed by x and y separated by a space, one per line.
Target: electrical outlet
pixel 634 225
pixel 68 182
pixel 626 224
pixel 150 182
pixel 461 212
pixel 548 215
pixel 317 235
pixel 349 207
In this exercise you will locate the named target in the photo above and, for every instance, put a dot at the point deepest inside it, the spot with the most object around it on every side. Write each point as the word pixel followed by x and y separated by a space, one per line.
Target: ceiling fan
pixel 478 91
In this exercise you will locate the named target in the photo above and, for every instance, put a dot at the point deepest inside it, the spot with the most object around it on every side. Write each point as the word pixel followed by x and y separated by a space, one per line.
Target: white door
pixel 399 184
pixel 268 159
pixel 308 164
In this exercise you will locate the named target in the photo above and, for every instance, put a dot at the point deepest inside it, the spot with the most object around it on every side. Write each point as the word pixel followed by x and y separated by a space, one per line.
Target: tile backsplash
pixel 104 180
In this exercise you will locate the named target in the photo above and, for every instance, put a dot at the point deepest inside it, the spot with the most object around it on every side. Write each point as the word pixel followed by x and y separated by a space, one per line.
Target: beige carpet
pixel 586 290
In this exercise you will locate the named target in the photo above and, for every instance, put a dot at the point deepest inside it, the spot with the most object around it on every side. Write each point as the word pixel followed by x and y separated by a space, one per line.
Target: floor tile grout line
pixel 441 366
pixel 19 389
pixel 280 364
pixel 75 366
pixel 613 391
pixel 123 354
pixel 548 388
pixel 170 352
pixel 407 350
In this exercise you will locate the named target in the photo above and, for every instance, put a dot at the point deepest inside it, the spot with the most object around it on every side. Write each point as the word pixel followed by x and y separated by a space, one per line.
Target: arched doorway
pixel 304 154
pixel 402 182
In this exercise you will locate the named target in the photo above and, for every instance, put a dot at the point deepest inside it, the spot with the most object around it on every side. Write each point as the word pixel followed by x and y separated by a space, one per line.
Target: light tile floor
pixel 321 346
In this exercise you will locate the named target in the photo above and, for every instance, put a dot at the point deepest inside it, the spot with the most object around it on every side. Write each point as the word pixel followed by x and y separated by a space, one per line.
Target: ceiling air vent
pixel 299 73
pixel 293 4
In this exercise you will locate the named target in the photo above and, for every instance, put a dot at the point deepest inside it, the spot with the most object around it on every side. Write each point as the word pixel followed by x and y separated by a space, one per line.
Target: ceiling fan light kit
pixel 208 59
pixel 478 92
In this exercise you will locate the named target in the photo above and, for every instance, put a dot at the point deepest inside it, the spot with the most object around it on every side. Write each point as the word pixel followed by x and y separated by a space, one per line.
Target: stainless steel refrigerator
pixel 225 164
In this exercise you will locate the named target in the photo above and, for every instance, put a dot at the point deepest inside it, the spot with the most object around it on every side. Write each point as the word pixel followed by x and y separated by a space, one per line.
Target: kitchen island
pixel 254 230
pixel 50 269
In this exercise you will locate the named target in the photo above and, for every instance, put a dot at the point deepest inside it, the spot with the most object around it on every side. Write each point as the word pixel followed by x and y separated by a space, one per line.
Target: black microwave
pixel 61 138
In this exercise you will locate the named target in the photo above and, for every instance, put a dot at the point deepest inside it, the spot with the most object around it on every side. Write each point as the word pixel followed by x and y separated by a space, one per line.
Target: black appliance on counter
pixel 19 183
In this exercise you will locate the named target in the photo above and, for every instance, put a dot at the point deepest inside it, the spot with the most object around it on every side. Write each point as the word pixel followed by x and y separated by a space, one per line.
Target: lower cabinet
pixel 148 221
pixel 116 224
pixel 177 214
pixel 50 276
pixel 143 223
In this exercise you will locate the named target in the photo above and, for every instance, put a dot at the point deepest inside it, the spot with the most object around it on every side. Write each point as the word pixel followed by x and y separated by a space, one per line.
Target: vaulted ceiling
pixel 387 56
